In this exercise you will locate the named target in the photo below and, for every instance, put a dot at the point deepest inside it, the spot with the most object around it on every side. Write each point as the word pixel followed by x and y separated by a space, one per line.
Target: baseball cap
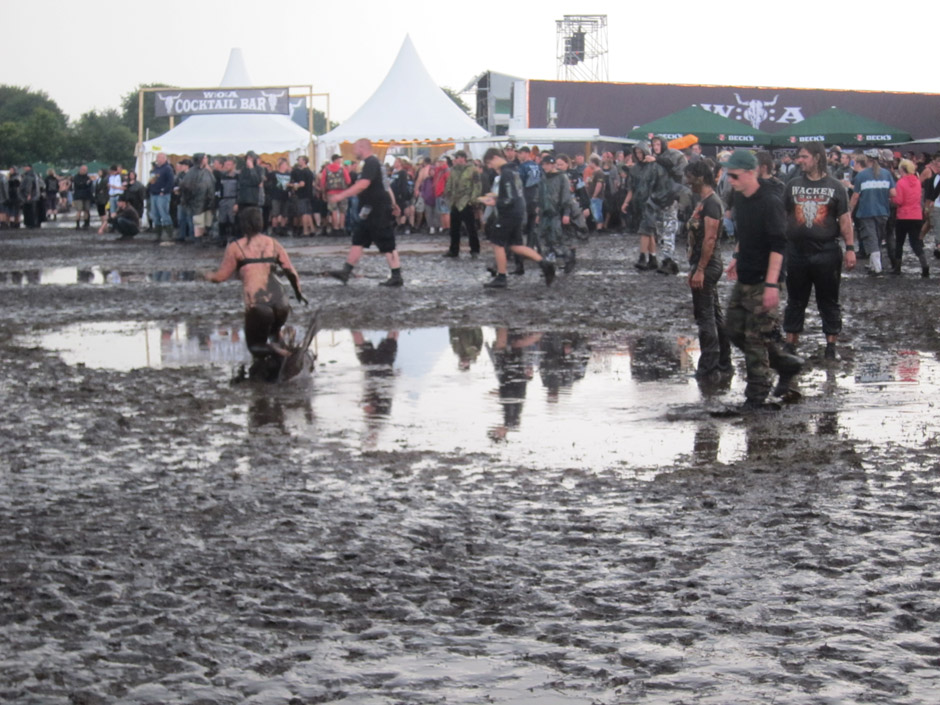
pixel 741 159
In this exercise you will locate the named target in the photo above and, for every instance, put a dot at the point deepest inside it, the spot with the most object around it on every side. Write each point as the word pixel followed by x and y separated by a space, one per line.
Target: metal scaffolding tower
pixel 581 42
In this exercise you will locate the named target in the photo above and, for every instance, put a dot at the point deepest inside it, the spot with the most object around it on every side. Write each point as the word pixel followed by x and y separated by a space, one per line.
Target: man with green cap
pixel 752 317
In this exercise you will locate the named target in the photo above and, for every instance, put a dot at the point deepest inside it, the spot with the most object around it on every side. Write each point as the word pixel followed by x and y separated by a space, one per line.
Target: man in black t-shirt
pixel 376 217
pixel 510 205
pixel 817 217
pixel 752 313
pixel 301 181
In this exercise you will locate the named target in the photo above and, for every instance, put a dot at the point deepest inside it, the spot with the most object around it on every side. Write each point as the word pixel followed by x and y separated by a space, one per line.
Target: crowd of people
pixel 795 221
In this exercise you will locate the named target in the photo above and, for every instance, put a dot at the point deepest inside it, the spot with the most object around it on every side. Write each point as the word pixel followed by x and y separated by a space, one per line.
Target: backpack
pixel 531 174
pixel 335 180
pixel 675 163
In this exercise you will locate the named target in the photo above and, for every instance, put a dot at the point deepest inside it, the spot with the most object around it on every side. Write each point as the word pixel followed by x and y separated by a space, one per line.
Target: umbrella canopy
pixel 709 127
pixel 836 126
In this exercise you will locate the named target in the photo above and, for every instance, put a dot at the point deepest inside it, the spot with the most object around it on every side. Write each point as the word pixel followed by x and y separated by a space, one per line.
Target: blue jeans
pixel 161 210
pixel 597 211
pixel 113 200
pixel 185 216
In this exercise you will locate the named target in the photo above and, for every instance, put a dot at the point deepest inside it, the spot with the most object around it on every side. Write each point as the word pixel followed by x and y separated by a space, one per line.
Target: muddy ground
pixel 154 551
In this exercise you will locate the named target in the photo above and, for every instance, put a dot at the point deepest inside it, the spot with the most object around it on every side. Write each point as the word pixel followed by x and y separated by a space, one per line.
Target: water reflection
pixel 510 354
pixel 62 276
pixel 378 376
pixel 467 343
pixel 605 399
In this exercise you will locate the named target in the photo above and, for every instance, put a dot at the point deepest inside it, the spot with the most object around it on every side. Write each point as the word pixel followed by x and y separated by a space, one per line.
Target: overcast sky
pixel 87 55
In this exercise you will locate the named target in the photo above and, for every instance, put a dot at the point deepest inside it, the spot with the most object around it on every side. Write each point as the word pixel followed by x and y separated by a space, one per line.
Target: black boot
pixel 570 261
pixel 342 274
pixel 548 269
pixel 394 280
pixel 652 265
pixel 641 262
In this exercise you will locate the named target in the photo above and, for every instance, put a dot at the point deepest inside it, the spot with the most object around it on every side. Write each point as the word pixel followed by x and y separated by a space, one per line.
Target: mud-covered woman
pixel 255 257
pixel 705 269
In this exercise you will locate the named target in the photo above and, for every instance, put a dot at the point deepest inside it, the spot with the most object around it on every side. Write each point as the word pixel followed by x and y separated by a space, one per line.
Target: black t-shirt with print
pixel 813 212
pixel 710 207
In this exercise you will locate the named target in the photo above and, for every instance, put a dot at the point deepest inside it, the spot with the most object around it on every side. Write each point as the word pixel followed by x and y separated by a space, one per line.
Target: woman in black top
pixel 705 267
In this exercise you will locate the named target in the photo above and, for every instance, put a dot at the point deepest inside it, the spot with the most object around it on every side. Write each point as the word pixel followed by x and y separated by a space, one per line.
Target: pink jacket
pixel 908 196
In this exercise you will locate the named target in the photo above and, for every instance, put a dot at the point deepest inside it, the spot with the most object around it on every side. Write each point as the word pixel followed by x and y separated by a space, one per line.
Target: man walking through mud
pixel 818 217
pixel 510 219
pixel 377 213
pixel 752 316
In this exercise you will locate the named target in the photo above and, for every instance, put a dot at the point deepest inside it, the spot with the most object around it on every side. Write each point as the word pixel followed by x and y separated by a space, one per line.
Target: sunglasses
pixel 733 177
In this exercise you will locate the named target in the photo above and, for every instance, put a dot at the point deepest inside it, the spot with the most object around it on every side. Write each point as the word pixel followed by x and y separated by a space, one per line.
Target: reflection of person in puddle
pixel 380 367
pixel 508 355
pixel 466 344
pixel 254 256
pixel 564 361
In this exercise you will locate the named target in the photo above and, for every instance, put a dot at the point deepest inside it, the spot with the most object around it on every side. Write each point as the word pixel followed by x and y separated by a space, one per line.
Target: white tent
pixel 407 107
pixel 227 134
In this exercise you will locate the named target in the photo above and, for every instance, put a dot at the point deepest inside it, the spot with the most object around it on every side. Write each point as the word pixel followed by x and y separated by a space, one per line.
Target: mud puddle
pixel 528 396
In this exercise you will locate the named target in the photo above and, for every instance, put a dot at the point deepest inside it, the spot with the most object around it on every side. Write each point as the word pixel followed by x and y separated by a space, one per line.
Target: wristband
pixel 734 255
pixel 772 285
pixel 850 248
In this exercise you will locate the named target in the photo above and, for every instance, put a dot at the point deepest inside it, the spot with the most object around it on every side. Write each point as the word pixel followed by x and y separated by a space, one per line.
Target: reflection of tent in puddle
pixel 878 367
pixel 64 276
pixel 130 345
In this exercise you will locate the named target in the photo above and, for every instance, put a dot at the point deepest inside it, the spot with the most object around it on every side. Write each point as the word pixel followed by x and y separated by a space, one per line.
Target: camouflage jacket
pixel 463 186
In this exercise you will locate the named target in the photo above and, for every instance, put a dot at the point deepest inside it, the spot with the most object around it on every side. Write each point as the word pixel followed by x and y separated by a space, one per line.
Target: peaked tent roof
pixel 408 106
pixel 836 126
pixel 228 134
pixel 709 127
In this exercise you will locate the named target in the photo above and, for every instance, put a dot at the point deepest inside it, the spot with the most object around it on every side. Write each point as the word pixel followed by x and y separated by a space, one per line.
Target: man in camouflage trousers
pixel 753 317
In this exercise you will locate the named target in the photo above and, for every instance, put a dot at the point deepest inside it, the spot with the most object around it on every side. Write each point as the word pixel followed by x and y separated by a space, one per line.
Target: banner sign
pixel 222 100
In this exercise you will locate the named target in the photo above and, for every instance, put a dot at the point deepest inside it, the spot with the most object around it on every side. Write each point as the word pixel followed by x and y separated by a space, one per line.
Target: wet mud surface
pixel 169 538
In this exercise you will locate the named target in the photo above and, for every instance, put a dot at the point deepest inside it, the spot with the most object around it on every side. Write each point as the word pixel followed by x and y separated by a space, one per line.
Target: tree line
pixel 33 128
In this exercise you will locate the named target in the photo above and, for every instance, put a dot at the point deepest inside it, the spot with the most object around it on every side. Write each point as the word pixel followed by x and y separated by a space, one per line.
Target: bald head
pixel 363 148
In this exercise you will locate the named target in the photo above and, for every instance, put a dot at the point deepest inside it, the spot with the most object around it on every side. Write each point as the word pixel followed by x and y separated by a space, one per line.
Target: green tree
pixel 12 144
pixel 319 123
pixel 32 126
pixel 454 96
pixel 129 111
pixel 44 136
pixel 102 136
pixel 18 104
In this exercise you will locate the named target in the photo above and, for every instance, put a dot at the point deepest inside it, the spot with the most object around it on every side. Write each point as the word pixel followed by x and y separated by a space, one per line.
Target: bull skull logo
pixel 755 111
pixel 272 99
pixel 810 210
pixel 168 100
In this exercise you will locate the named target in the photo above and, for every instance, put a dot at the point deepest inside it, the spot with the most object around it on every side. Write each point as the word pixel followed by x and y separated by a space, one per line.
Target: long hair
pixel 817 150
pixel 703 169
pixel 250 221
